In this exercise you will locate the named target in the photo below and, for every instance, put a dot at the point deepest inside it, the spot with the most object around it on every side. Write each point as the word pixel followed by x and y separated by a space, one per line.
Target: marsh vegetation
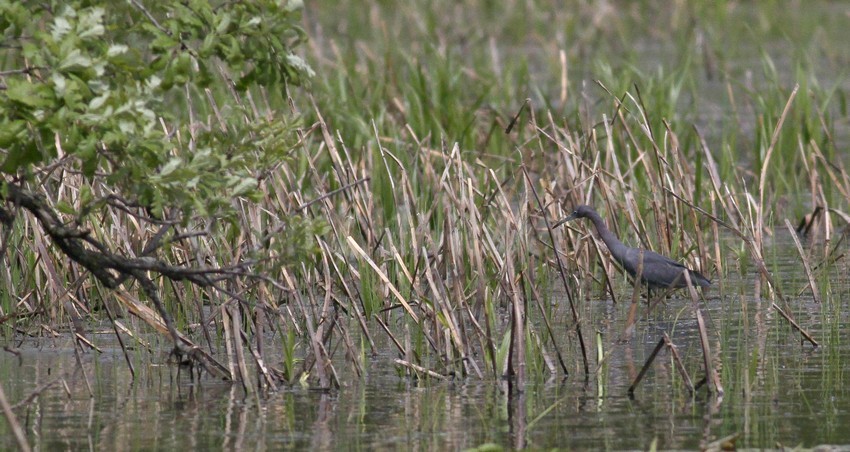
pixel 395 261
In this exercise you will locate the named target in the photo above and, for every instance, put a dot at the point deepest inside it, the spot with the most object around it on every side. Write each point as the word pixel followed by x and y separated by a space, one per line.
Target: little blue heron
pixel 658 271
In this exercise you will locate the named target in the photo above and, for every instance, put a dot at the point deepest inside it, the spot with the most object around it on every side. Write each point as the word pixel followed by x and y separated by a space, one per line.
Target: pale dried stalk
pixel 806 266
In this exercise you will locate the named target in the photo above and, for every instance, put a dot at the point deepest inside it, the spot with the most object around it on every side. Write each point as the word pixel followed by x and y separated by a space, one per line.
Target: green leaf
pixel 61 27
pixel 245 186
pixel 12 132
pixel 91 23
pixel 170 167
pixel 26 93
pixel 85 196
pixel 98 101
pixel 20 156
pixel 75 60
pixel 66 208
pixel 223 23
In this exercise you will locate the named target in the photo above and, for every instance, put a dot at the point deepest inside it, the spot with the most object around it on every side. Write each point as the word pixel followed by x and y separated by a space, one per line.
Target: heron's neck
pixel 611 241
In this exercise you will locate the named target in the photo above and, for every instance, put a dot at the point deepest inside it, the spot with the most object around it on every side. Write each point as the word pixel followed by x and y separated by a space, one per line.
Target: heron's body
pixel 657 271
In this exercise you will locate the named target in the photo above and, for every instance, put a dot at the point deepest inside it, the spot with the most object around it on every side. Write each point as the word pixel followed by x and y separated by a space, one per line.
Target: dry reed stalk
pixel 663 228
pixel 351 350
pixel 645 368
pixel 130 333
pixel 528 286
pixel 817 199
pixel 232 368
pixel 259 321
pixel 326 261
pixel 350 296
pixel 14 425
pixel 841 183
pixel 568 166
pixel 383 325
pixel 383 277
pixel 635 219
pixel 714 177
pixel 832 255
pixel 322 330
pixel 154 320
pixel 678 362
pixel 684 174
pixel 561 272
pixel 715 230
pixel 795 325
pixel 541 345
pixel 418 369
pixel 769 278
pixel 806 266
pixel 547 324
pixel 457 276
pixel 759 227
pixel 474 219
pixel 703 254
pixel 412 248
pixel 448 314
pixel 235 321
pixel 516 354
pixel 710 372
pixel 320 359
pixel 263 374
pixel 114 324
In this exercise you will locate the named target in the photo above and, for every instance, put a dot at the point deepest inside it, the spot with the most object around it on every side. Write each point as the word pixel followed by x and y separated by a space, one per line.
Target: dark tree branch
pixel 112 269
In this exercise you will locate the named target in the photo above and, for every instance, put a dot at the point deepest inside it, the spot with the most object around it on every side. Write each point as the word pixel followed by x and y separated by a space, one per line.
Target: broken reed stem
pixel 645 367
pixel 795 325
pixel 419 369
pixel 679 365
pixel 806 266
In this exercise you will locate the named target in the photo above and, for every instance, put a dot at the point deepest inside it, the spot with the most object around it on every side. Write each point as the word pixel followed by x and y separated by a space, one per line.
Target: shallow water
pixel 778 390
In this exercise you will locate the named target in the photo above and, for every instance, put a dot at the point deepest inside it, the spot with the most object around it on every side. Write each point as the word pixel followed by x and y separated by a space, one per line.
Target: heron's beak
pixel 571 217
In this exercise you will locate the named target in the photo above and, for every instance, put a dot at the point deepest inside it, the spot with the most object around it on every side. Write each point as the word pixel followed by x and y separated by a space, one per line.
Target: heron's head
pixel 580 212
